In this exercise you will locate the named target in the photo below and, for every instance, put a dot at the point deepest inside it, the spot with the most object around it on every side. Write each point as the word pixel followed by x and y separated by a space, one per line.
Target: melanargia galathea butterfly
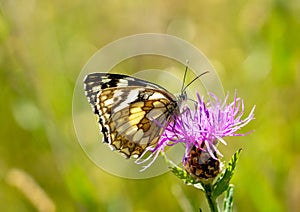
pixel 132 112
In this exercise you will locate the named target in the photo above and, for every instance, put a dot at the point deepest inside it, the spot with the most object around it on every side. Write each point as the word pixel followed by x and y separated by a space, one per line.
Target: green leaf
pixel 228 200
pixel 222 183
pixel 183 175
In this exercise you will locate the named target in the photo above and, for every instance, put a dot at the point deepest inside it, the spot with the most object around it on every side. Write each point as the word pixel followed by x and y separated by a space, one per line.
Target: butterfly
pixel 132 113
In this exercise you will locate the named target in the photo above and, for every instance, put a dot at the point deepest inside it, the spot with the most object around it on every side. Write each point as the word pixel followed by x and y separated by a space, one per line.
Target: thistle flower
pixel 201 128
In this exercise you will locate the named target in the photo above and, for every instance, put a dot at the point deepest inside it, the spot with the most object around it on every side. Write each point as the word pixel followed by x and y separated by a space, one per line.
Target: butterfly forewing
pixel 132 112
pixel 96 82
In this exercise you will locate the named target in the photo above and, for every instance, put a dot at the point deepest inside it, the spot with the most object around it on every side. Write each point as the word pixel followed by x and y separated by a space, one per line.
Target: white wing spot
pixel 108 102
pixel 96 88
pixel 157 96
pixel 144 141
pixel 123 82
pixel 137 136
pixel 118 93
pixel 105 80
pixel 132 95
pixel 155 113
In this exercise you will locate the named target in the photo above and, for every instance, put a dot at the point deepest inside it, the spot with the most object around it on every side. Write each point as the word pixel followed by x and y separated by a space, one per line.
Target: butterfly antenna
pixel 184 76
pixel 183 89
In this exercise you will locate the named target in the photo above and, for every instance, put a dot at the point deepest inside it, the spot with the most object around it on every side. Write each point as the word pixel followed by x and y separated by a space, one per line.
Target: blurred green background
pixel 254 46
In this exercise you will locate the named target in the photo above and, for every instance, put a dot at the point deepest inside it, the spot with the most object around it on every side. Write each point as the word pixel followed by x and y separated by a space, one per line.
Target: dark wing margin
pixel 95 82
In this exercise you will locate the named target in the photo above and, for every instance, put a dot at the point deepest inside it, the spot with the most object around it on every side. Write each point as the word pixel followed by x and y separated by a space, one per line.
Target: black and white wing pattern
pixel 132 112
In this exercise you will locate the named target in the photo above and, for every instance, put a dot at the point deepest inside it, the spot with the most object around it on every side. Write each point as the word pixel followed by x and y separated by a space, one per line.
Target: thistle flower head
pixel 202 127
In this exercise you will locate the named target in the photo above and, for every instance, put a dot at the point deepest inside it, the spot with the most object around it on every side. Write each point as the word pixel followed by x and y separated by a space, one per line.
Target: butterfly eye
pixel 183 96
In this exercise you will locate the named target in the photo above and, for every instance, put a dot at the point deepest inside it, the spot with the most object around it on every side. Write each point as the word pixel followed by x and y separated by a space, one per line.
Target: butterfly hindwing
pixel 132 112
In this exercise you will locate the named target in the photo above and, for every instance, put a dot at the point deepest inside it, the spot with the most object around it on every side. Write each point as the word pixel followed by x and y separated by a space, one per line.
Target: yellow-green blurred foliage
pixel 254 46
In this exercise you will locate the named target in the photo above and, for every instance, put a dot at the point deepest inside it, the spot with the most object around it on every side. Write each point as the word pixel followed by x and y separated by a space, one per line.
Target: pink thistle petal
pixel 205 124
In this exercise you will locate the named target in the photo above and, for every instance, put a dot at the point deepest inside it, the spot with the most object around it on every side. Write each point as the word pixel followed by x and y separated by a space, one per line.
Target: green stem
pixel 212 201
